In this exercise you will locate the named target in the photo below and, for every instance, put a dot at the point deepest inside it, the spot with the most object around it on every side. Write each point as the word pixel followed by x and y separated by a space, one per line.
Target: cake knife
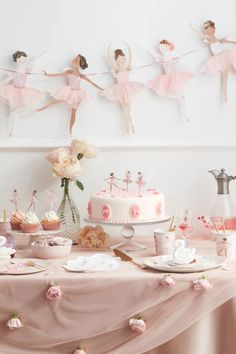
pixel 124 257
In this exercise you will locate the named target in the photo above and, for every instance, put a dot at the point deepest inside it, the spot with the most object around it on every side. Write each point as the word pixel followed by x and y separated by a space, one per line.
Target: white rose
pixel 83 147
pixel 68 168
pixel 58 155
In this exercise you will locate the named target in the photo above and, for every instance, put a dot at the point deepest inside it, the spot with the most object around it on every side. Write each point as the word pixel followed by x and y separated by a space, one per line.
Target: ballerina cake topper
pixel 140 182
pixel 173 81
pixel 71 94
pixel 111 181
pixel 124 90
pixel 15 199
pixel 127 180
pixel 20 98
pixel 33 201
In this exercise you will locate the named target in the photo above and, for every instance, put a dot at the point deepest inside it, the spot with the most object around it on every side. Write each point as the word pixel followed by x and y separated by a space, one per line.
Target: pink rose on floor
pixel 167 281
pixel 137 325
pixel 69 168
pixel 14 322
pixel 106 211
pixel 134 211
pixel 58 155
pixel 54 292
pixel 202 284
pixel 80 351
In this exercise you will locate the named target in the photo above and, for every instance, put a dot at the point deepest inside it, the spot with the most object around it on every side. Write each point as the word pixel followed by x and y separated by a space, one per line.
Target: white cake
pixel 122 206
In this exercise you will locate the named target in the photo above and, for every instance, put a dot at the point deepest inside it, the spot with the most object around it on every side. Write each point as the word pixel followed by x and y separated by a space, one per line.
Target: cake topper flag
pixel 124 90
pixel 140 182
pixel 173 81
pixel 127 180
pixel 15 200
pixel 51 199
pixel 34 199
pixel 13 90
pixel 223 58
pixel 111 181
pixel 71 94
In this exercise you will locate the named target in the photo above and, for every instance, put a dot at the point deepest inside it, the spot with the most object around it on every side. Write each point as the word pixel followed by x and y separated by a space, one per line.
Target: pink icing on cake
pixel 134 211
pixel 106 211
pixel 159 209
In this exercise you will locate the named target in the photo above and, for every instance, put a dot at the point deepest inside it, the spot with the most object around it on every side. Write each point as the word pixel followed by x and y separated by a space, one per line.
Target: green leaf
pixel 79 185
pixel 80 156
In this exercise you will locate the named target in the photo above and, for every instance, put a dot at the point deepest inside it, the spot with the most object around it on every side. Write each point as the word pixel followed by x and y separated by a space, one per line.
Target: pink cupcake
pixel 16 220
pixel 30 223
pixel 51 221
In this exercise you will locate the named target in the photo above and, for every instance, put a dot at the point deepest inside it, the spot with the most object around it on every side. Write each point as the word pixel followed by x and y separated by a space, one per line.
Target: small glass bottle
pixel 223 206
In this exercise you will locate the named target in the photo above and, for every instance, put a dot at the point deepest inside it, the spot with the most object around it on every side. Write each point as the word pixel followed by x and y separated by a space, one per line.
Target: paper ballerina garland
pixel 223 59
pixel 71 94
pixel 173 81
pixel 124 90
pixel 14 91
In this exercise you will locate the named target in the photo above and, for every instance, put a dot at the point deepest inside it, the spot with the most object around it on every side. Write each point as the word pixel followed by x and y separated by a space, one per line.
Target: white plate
pixel 19 266
pixel 92 264
pixel 164 263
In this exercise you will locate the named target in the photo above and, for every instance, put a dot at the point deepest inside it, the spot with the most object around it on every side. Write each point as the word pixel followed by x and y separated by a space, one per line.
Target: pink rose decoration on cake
pixel 54 292
pixel 80 351
pixel 159 209
pixel 90 209
pixel 137 325
pixel 14 322
pixel 134 211
pixel 167 281
pixel 106 211
pixel 202 284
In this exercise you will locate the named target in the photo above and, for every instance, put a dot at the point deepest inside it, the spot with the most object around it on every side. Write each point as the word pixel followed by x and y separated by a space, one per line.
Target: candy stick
pixel 215 224
pixel 171 224
pixel 223 223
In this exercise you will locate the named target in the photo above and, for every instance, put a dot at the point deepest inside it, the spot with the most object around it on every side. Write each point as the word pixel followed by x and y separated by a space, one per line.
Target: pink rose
pixel 84 148
pixel 80 351
pixel 167 281
pixel 54 292
pixel 14 322
pixel 67 168
pixel 58 155
pixel 159 209
pixel 202 284
pixel 137 325
pixel 135 211
pixel 106 211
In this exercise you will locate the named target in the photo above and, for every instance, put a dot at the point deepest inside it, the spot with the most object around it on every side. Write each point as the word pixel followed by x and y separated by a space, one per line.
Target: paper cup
pixel 226 243
pixel 164 241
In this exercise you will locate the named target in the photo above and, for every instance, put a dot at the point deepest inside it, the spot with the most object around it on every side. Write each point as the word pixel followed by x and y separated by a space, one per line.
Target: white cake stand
pixel 128 232
pixel 34 236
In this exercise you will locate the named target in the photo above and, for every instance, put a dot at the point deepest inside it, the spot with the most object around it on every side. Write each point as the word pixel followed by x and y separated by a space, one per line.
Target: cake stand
pixel 128 232
pixel 36 235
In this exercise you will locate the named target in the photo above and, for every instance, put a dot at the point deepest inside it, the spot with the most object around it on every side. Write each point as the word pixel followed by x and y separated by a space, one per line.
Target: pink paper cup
pixel 51 226
pixel 30 228
pixel 225 243
pixel 164 241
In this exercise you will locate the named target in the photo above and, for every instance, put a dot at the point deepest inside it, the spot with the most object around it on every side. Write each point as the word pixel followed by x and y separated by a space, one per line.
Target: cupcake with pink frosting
pixel 30 223
pixel 51 221
pixel 16 220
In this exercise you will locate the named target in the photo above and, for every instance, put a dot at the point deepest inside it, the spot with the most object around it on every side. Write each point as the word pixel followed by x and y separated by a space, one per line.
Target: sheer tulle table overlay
pixel 95 308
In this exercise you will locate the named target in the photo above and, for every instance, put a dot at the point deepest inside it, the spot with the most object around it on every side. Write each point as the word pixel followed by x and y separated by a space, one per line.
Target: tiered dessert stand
pixel 37 235
pixel 128 232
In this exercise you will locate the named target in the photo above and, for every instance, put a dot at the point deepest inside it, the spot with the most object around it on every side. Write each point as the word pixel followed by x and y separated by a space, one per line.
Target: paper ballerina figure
pixel 20 98
pixel 34 199
pixel 71 94
pixel 173 81
pixel 140 182
pixel 51 199
pixel 124 91
pixel 15 199
pixel 111 181
pixel 223 59
pixel 127 180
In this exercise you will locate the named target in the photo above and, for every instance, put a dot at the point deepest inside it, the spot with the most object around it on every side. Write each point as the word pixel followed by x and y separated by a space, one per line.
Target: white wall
pixel 65 27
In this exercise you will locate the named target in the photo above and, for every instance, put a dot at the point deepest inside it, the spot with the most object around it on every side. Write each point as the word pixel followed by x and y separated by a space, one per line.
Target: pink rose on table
pixel 58 155
pixel 167 281
pixel 14 322
pixel 202 284
pixel 84 148
pixel 68 168
pixel 54 292
pixel 137 325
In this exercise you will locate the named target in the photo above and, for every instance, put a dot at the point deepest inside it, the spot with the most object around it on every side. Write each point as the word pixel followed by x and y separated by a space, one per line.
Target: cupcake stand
pixel 33 237
pixel 128 232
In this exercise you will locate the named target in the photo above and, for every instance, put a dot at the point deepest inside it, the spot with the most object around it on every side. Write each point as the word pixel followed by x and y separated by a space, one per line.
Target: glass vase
pixel 69 213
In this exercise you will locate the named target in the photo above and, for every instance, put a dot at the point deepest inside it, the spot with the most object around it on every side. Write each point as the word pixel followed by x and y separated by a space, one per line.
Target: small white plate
pixel 92 264
pixel 20 266
pixel 165 263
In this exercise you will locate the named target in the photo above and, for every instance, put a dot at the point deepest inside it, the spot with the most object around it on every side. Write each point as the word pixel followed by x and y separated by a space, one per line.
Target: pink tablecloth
pixel 95 309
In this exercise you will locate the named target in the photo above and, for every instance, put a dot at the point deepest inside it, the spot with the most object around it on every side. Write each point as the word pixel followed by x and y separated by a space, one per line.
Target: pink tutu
pixel 20 97
pixel 220 62
pixel 124 91
pixel 73 97
pixel 170 83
